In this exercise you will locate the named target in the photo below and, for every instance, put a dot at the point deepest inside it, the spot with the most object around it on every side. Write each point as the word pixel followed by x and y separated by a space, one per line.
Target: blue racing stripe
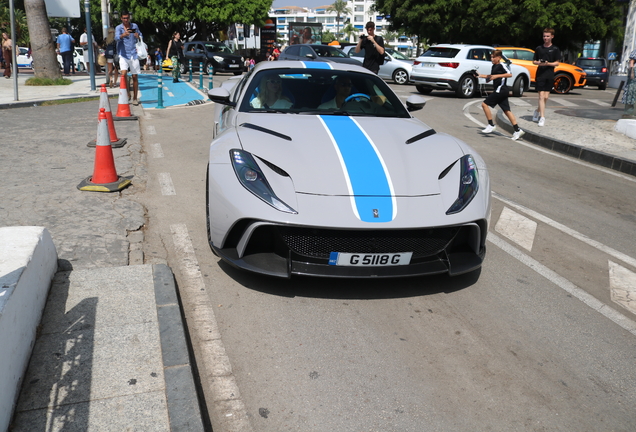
pixel 366 174
pixel 317 65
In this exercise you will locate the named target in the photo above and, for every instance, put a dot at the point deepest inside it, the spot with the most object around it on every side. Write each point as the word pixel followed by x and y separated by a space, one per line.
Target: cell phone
pixel 133 30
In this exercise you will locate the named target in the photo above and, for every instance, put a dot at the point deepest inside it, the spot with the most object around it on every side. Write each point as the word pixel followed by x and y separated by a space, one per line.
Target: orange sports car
pixel 566 76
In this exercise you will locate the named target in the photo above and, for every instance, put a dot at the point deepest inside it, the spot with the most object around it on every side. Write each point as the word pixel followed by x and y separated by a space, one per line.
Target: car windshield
pixel 326 51
pixel 591 62
pixel 218 48
pixel 396 54
pixel 321 92
pixel 443 52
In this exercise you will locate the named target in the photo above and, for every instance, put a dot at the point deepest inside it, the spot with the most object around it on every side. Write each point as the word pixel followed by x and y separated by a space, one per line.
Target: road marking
pixel 550 152
pixel 577 235
pixel 563 102
pixel 622 286
pixel 156 150
pixel 517 228
pixel 165 183
pixel 565 284
pixel 151 130
pixel 519 102
pixel 599 102
pixel 215 369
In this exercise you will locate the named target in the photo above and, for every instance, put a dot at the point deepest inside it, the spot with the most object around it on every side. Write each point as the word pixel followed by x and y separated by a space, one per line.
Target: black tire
pixel 602 86
pixel 401 77
pixel 563 83
pixel 209 66
pixel 237 73
pixel 207 207
pixel 423 90
pixel 519 87
pixel 182 68
pixel 467 87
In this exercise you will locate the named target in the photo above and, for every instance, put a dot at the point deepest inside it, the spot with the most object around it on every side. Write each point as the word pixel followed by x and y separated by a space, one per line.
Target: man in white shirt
pixel 86 46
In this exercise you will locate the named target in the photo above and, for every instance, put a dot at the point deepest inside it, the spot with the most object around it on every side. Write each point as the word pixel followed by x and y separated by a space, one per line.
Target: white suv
pixel 451 66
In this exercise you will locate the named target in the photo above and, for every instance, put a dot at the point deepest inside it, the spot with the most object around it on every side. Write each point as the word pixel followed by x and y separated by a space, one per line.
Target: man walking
pixel 65 48
pixel 546 57
pixel 127 34
pixel 499 75
pixel 373 47
pixel 88 46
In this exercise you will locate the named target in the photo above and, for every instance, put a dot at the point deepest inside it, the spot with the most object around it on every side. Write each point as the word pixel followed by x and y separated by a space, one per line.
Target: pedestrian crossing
pixel 609 279
pixel 561 101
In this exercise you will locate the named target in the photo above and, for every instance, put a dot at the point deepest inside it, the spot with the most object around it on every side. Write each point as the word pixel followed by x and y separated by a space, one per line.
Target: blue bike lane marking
pixel 173 93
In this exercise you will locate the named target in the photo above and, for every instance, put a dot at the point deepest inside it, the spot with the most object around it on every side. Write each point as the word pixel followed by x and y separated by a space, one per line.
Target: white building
pixel 361 13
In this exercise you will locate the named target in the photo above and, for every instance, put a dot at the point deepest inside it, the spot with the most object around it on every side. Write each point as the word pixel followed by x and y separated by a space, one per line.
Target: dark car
pixel 324 53
pixel 215 57
pixel 596 69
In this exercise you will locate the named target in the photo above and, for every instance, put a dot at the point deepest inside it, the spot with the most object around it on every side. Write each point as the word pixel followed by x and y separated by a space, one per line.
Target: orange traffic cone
pixel 123 108
pixel 104 102
pixel 104 178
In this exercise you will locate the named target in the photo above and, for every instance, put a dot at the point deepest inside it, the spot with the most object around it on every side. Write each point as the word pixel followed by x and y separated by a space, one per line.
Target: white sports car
pixel 319 169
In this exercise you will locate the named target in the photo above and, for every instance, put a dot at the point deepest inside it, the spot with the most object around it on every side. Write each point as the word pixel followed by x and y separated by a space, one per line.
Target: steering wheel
pixel 357 97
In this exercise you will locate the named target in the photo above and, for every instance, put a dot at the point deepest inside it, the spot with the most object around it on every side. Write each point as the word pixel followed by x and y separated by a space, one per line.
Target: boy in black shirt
pixel 499 74
pixel 546 57
pixel 373 47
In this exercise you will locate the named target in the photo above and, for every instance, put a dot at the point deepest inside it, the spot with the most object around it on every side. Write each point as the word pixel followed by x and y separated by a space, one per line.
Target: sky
pixel 301 3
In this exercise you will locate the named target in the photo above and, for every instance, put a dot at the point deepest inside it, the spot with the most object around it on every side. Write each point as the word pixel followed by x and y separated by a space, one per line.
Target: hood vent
pixel 423 135
pixel 265 130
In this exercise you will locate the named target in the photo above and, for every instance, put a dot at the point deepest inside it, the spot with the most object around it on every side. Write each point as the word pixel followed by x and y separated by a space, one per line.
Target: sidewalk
pixel 111 352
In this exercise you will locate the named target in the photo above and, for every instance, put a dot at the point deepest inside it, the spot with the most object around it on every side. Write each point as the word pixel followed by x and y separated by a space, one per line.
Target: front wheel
pixel 209 68
pixel 182 68
pixel 467 87
pixel 423 90
pixel 518 87
pixel 401 77
pixel 563 83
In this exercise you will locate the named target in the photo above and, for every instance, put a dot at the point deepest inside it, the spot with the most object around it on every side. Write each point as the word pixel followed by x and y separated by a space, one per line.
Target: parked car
pixel 324 53
pixel 596 70
pixel 396 67
pixel 451 66
pixel 306 186
pixel 78 59
pixel 215 57
pixel 566 76
pixel 23 59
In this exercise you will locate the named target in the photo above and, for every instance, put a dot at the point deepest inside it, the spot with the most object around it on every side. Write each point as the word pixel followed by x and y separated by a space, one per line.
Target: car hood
pixel 339 155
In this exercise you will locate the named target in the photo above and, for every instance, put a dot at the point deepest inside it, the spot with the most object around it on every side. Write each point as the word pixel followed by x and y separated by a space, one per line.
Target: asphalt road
pixel 535 341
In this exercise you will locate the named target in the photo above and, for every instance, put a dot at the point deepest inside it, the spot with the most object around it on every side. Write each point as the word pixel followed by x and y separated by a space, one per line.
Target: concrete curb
pixel 28 262
pixel 181 393
pixel 605 160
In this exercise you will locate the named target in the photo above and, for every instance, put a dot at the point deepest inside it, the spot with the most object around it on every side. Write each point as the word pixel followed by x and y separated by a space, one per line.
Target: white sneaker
pixel 489 129
pixel 517 135
pixel 535 116
pixel 541 121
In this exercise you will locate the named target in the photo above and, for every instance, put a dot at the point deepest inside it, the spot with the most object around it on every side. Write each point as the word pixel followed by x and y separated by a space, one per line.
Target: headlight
pixel 219 59
pixel 252 178
pixel 468 184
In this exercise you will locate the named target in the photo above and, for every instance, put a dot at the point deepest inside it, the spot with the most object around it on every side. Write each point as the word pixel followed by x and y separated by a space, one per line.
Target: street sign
pixel 611 56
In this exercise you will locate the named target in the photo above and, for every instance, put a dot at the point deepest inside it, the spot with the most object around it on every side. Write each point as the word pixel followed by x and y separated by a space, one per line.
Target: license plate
pixel 370 260
pixel 428 64
pixel 590 70
pixel 234 65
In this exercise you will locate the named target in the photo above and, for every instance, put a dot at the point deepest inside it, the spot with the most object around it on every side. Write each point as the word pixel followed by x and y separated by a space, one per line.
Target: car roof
pixel 460 46
pixel 289 64
pixel 514 47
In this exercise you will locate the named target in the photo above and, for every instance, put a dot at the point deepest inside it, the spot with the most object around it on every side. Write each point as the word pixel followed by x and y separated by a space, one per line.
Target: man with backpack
pixel 373 47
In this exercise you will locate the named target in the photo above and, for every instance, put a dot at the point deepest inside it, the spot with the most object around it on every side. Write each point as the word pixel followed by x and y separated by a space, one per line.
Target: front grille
pixel 320 243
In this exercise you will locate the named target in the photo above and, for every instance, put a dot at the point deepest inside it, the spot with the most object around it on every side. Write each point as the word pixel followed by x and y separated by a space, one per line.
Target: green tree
pixel 328 37
pixel 349 30
pixel 194 19
pixel 340 7
pixel 505 21
pixel 21 27
pixel 389 36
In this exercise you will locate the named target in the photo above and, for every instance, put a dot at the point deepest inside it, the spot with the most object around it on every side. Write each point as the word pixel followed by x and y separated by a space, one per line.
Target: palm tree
pixel 44 59
pixel 349 29
pixel 340 7
pixel 389 36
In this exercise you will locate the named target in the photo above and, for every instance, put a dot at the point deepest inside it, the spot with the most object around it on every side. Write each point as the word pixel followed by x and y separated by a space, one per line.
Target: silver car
pixel 318 168
pixel 396 67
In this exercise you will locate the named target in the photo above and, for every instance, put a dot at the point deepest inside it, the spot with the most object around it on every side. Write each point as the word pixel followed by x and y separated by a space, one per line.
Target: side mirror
pixel 414 103
pixel 311 56
pixel 387 58
pixel 220 95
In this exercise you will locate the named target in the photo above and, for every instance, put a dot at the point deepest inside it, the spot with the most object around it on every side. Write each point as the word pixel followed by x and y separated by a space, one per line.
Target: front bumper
pixel 283 250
